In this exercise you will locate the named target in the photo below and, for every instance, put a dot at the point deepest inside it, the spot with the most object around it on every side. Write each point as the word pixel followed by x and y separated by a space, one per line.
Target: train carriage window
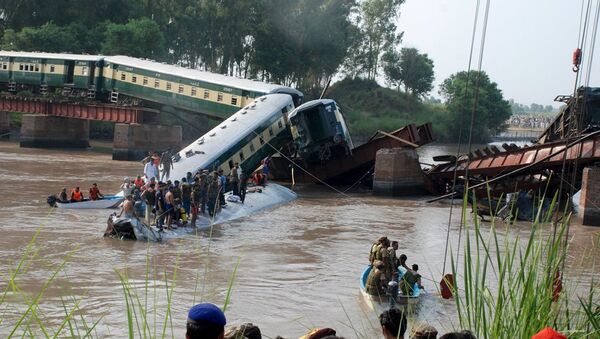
pixel 279 124
pixel 4 66
pixel 156 83
pixel 219 97
pixel 261 140
pixel 242 158
pixel 168 86
pixel 271 130
pixel 84 70
pixel 26 67
pixel 123 76
pixel 20 67
pixel 133 78
pixel 52 68
pixel 180 89
pixel 206 94
pixel 145 81
pixel 252 147
pixel 37 68
pixel 193 91
pixel 234 101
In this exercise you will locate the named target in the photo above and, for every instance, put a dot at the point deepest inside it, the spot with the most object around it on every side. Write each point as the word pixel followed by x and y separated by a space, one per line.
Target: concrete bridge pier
pixel 589 199
pixel 398 172
pixel 43 131
pixel 134 141
pixel 4 125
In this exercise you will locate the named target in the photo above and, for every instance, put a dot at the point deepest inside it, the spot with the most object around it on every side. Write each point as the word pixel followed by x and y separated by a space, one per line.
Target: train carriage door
pixel 70 64
pixel 92 73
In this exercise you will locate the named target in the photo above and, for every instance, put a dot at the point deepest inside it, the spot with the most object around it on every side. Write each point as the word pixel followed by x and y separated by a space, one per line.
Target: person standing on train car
pixel 234 179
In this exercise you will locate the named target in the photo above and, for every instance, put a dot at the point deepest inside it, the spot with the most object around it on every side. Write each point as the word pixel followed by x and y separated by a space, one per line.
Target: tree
pixel 48 38
pixel 410 68
pixel 492 110
pixel 376 20
pixel 140 38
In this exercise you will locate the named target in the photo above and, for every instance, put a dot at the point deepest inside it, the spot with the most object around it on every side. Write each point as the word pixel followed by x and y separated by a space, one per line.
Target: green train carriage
pixel 44 72
pixel 213 94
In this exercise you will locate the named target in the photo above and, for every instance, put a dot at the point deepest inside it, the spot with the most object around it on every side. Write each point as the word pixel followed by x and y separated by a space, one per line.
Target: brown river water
pixel 298 265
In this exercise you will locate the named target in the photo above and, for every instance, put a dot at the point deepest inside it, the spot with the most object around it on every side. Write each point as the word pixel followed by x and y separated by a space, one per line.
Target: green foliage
pixel 369 107
pixel 416 71
pixel 48 38
pixel 491 113
pixel 506 285
pixel 376 33
pixel 137 38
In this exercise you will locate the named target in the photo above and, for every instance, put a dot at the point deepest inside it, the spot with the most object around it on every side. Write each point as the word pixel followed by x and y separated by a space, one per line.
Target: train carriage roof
pixel 194 74
pixel 59 56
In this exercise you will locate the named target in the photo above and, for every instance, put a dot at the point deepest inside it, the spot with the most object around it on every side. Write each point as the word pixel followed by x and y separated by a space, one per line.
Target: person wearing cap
pixel 95 192
pixel 376 281
pixel 205 321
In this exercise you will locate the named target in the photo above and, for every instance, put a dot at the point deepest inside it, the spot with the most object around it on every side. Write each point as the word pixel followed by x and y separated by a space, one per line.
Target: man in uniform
pixel 376 281
pixel 374 249
pixel 186 194
pixel 384 255
pixel 213 194
pixel 167 163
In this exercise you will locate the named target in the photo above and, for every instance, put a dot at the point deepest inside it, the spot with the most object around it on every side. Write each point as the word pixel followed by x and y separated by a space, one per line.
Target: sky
pixel 528 48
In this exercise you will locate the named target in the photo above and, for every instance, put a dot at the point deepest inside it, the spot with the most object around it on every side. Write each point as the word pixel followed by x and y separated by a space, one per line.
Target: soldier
pixel 167 163
pixel 376 282
pixel 213 194
pixel 383 254
pixel 374 249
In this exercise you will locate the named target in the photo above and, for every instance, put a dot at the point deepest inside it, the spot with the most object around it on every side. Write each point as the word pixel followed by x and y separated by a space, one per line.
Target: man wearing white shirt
pixel 150 170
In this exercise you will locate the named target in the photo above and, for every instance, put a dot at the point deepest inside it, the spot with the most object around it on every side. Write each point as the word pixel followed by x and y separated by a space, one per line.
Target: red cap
pixel 548 333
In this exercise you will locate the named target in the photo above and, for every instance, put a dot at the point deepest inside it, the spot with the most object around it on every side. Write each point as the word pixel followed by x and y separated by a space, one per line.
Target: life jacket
pixel 77 196
pixel 373 284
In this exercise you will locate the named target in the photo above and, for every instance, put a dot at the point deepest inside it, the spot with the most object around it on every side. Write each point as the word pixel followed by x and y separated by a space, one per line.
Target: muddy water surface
pixel 298 268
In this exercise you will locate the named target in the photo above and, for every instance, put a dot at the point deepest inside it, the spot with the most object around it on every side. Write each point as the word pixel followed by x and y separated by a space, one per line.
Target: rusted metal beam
pixel 399 139
pixel 86 111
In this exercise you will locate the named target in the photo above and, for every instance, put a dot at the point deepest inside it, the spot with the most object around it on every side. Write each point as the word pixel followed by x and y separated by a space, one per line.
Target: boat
pixel 258 198
pixel 109 201
pixel 381 303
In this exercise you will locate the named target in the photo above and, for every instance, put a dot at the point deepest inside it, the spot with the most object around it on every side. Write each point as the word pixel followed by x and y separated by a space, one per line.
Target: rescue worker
pixel 76 195
pixel 160 206
pixel 167 164
pixel 127 209
pixel 186 194
pixel 376 282
pixel 195 201
pixel 149 198
pixel 243 186
pixel 234 180
pixel 138 182
pixel 393 257
pixel 62 196
pixel 410 278
pixel 95 192
pixel 212 194
pixel 374 249
pixel 384 255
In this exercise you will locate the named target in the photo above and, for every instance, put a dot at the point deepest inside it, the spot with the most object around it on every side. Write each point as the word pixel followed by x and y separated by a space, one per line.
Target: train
pixel 258 118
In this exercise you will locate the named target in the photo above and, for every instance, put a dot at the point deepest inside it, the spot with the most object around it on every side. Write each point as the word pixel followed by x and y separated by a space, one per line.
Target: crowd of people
pixel 169 204
pixel 388 267
pixel 207 321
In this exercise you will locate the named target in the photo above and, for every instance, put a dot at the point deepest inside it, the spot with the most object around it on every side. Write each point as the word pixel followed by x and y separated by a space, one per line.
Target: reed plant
pixel 510 287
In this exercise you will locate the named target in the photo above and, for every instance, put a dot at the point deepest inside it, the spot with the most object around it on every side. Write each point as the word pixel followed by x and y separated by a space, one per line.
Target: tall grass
pixel 506 285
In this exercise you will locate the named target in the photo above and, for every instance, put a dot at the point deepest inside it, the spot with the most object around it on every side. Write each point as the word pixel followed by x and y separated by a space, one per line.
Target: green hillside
pixel 369 107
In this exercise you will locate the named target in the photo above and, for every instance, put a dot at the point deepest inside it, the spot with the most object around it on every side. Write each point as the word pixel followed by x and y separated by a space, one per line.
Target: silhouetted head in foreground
pixel 205 321
pixel 393 323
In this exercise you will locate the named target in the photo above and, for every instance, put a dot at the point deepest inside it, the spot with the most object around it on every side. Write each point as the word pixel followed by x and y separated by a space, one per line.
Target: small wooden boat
pixel 381 303
pixel 106 202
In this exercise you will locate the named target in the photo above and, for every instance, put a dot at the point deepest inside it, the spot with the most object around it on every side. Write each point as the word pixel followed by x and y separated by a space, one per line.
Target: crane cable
pixel 455 174
pixel 475 103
